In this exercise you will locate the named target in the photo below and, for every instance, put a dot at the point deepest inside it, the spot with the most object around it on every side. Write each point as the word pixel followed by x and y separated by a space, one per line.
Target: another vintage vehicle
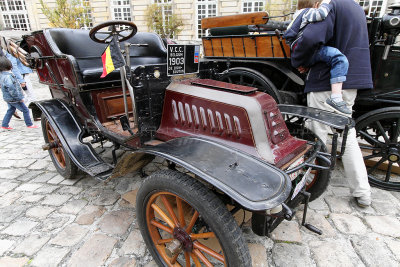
pixel 231 139
pixel 248 50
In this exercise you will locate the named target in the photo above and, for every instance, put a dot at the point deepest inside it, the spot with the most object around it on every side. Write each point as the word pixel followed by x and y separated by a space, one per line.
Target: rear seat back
pixel 87 53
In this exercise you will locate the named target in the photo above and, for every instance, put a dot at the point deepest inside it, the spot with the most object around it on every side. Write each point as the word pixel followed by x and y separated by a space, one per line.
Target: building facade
pixel 27 14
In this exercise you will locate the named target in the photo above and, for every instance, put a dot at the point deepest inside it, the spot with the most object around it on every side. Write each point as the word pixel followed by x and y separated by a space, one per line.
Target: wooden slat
pixel 250 45
pixel 235 20
pixel 216 46
pixel 238 46
pixel 245 46
pixel 207 46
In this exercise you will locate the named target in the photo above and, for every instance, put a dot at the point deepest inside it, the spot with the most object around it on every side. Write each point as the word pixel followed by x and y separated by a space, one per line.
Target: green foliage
pixel 167 27
pixel 67 13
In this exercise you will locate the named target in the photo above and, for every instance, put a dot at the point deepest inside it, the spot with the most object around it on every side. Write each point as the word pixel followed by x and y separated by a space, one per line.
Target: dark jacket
pixel 292 36
pixel 346 29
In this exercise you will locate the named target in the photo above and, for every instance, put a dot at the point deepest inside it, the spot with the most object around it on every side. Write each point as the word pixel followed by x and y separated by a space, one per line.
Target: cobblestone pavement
pixel 46 220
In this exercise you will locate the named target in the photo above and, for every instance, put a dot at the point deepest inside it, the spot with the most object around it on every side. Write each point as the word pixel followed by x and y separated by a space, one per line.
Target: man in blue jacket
pixel 344 28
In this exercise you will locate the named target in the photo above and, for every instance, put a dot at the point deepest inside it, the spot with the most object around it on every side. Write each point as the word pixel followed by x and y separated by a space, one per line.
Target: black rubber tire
pixel 389 120
pixel 209 206
pixel 322 177
pixel 260 81
pixel 70 170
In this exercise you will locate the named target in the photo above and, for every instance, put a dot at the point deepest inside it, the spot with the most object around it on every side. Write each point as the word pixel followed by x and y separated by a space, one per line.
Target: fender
pixel 70 132
pixel 253 183
pixel 284 70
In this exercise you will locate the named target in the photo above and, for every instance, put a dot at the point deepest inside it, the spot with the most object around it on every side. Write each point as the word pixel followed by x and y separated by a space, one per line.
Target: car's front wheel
pixel 184 223
pixel 62 162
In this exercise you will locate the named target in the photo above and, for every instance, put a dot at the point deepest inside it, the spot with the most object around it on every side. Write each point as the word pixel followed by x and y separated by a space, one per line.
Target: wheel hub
pixel 184 238
pixel 394 155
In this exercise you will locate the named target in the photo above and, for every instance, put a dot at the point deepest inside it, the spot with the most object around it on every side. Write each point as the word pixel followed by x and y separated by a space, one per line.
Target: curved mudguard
pixel 70 133
pixel 253 183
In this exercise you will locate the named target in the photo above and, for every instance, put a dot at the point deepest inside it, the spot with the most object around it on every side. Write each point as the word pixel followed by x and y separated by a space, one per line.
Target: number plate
pixel 301 184
pixel 295 164
pixel 182 59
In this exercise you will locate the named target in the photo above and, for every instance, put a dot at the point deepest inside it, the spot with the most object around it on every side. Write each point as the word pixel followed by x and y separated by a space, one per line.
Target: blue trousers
pixel 12 107
pixel 335 60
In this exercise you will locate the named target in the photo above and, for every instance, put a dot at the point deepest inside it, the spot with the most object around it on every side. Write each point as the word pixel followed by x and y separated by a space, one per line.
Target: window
pixel 293 5
pixel 374 6
pixel 166 6
pixel 14 15
pixel 205 9
pixel 87 16
pixel 252 6
pixel 166 10
pixel 121 10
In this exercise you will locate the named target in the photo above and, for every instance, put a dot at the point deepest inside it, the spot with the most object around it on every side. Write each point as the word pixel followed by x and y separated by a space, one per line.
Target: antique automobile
pixel 231 139
pixel 248 50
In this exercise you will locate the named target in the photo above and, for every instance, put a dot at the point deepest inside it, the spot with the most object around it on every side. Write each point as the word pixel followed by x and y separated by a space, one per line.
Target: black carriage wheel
pixel 318 180
pixel 184 223
pixel 127 27
pixel 62 162
pixel 252 78
pixel 381 130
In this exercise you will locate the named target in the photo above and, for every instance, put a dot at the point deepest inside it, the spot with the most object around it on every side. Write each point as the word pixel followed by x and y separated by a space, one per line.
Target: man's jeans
pixel 353 163
pixel 12 107
pixel 335 60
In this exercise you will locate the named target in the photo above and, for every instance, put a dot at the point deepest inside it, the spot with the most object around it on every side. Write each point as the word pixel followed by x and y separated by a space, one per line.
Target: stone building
pixel 27 14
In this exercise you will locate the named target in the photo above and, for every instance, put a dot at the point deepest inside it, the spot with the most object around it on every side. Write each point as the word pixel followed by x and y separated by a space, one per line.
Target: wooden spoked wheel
pixel 61 160
pixel 185 224
pixel 252 78
pixel 177 231
pixel 57 150
pixel 318 180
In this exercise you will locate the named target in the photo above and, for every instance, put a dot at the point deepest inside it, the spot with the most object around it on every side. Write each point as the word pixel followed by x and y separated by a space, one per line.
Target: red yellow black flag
pixel 112 58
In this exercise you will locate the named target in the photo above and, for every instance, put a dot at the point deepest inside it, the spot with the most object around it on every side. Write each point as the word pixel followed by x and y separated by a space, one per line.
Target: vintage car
pixel 248 50
pixel 232 140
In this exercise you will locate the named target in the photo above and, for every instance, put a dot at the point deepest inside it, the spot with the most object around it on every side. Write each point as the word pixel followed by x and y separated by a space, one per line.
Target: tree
pixel 68 13
pixel 167 26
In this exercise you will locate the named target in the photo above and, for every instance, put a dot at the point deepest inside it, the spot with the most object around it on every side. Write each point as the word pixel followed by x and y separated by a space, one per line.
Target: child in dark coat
pixel 12 94
pixel 309 13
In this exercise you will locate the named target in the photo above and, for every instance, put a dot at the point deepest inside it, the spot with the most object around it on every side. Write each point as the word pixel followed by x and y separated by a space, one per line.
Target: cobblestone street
pixel 46 220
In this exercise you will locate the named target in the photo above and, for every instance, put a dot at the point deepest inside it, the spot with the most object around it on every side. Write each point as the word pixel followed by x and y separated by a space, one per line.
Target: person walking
pixel 345 28
pixel 12 94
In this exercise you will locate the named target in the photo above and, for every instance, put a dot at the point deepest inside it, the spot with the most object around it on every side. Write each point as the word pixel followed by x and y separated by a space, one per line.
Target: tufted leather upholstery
pixel 87 53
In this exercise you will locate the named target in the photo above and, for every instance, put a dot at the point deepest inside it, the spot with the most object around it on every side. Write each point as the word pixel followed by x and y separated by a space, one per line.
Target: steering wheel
pixel 120 28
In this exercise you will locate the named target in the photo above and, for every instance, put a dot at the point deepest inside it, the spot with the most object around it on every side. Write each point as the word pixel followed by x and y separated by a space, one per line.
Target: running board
pixel 70 133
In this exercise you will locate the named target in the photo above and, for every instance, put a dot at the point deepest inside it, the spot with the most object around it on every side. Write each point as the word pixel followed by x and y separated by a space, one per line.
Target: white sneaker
pixel 363 202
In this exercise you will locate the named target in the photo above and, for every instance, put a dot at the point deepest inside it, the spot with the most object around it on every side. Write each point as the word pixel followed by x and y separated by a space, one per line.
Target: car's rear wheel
pixel 252 78
pixel 62 162
pixel 184 223
pixel 318 180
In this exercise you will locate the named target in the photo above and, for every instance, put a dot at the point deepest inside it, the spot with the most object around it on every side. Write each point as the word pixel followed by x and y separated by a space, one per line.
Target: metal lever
pixel 310 227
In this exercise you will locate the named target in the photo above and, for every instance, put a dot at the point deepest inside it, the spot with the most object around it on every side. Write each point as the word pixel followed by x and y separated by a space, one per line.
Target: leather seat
pixel 87 53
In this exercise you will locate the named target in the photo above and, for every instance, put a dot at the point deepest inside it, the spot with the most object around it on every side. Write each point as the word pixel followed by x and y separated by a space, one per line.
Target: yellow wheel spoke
pixel 163 215
pixel 195 260
pixel 187 259
pixel 161 226
pixel 163 241
pixel 202 235
pixel 192 222
pixel 170 210
pixel 209 251
pixel 202 257
pixel 180 212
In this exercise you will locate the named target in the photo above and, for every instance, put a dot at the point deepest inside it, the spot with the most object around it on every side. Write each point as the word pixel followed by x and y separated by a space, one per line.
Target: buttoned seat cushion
pixel 87 53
